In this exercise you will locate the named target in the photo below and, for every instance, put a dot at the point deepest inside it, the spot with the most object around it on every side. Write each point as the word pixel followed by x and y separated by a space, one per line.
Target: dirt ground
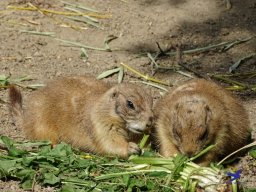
pixel 138 25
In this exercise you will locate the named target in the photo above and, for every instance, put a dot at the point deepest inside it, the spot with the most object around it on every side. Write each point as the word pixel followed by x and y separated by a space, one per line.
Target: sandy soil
pixel 138 26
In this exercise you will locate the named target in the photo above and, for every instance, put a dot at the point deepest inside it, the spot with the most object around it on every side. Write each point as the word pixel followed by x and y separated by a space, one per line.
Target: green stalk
pixel 87 184
pixel 112 175
pixel 202 152
pixel 234 186
pixel 143 141
pixel 193 186
pixel 151 160
pixel 76 44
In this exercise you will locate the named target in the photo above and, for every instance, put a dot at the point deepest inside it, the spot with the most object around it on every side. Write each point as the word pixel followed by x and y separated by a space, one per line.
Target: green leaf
pixel 150 185
pixel 179 163
pixel 126 179
pixel 5 167
pixel 253 153
pixel 12 151
pixel 44 150
pixel 148 154
pixel 27 160
pixel 27 177
pixel 3 77
pixel 61 150
pixel 50 178
pixel 68 188
pixel 158 174
pixel 108 73
pixel 4 80
pixel 27 184
pixel 7 141
pixel 136 184
pixel 25 174
pixel 250 190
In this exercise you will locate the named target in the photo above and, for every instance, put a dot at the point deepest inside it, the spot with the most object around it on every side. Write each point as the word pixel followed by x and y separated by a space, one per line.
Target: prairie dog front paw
pixel 133 149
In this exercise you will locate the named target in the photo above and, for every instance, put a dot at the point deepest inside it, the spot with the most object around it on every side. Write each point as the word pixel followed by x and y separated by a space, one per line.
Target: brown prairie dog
pixel 200 113
pixel 88 114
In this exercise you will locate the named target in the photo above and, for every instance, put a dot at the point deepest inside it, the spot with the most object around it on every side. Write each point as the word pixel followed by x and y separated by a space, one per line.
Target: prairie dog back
pixel 58 104
pixel 82 111
pixel 200 113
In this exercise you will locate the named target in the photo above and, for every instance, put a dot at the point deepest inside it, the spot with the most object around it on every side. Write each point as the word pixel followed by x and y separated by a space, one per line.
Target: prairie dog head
pixel 190 122
pixel 133 105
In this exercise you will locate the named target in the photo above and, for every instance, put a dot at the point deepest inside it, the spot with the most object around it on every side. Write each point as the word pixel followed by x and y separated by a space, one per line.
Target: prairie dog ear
pixel 115 93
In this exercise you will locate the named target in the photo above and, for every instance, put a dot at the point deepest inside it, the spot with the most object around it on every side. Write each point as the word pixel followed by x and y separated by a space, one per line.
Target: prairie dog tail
pixel 15 99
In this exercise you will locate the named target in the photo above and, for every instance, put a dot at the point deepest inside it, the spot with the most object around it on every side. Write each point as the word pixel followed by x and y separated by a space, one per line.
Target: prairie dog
pixel 200 113
pixel 88 114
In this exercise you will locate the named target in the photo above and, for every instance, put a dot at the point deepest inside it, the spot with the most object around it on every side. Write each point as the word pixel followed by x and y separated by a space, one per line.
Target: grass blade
pixel 77 11
pixel 85 20
pixel 245 147
pixel 108 73
pixel 224 45
pixel 76 44
pixel 79 6
pixel 239 62
pixel 120 75
pixel 107 40
pixel 39 33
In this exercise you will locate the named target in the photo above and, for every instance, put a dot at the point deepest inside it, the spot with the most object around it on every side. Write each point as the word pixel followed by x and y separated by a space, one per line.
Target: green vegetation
pixel 67 169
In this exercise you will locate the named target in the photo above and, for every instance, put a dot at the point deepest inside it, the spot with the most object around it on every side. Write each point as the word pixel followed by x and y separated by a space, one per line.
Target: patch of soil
pixel 138 26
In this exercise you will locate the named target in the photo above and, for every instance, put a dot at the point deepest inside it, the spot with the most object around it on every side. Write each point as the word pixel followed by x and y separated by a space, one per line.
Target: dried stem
pixel 144 76
pixel 96 15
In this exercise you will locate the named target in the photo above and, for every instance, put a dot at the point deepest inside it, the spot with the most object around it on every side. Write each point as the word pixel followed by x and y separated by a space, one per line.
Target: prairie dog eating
pixel 200 113
pixel 87 113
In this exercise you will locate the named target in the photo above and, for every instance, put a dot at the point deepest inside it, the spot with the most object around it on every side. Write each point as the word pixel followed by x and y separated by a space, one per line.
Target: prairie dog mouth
pixel 137 131
pixel 135 127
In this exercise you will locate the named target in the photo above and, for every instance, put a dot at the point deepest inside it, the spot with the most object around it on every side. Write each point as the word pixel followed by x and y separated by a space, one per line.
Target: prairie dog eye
pixel 176 134
pixel 130 104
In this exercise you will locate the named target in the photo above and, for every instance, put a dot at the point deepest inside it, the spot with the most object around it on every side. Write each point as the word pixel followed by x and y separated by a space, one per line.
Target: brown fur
pixel 199 113
pixel 15 101
pixel 88 114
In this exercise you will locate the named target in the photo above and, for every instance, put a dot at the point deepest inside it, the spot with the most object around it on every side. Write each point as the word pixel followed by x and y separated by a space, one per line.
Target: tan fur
pixel 89 114
pixel 199 113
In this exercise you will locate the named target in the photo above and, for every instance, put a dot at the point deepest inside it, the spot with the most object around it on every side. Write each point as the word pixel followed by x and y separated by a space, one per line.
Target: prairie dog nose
pixel 189 153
